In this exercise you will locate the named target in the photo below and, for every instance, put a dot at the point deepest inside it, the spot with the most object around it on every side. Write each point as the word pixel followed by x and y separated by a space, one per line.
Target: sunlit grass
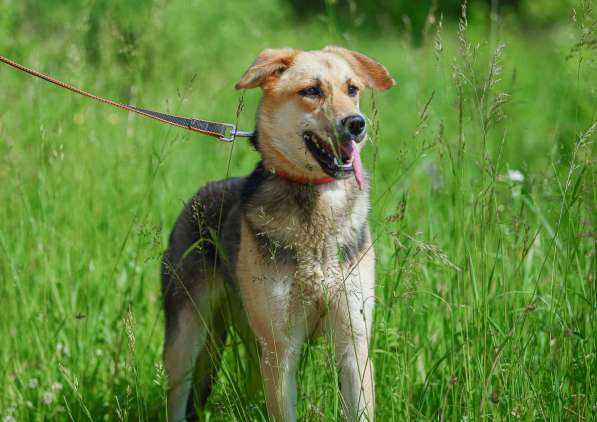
pixel 483 210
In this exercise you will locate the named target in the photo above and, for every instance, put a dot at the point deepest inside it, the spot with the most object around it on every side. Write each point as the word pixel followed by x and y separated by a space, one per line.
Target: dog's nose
pixel 354 125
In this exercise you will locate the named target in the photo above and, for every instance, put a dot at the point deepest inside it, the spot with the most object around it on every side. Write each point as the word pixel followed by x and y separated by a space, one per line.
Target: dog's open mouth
pixel 338 163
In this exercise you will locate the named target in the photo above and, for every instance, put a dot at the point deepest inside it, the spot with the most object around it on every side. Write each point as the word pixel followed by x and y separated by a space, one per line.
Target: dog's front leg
pixel 351 330
pixel 281 337
pixel 266 291
pixel 356 377
pixel 279 363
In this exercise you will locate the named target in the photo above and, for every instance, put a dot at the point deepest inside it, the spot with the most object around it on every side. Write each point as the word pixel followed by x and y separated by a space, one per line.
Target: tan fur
pixel 284 114
pixel 375 74
pixel 286 304
pixel 305 261
pixel 267 64
pixel 297 296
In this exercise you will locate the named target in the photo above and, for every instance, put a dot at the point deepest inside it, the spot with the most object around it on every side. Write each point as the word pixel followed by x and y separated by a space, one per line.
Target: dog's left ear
pixel 269 63
pixel 374 74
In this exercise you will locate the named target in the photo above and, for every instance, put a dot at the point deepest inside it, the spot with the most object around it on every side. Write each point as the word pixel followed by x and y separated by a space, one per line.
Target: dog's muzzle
pixel 338 160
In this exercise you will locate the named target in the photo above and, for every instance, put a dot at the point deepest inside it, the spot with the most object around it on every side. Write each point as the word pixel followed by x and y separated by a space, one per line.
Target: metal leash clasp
pixel 232 132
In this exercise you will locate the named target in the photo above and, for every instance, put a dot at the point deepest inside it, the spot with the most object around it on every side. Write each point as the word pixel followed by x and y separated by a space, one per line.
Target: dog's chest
pixel 305 236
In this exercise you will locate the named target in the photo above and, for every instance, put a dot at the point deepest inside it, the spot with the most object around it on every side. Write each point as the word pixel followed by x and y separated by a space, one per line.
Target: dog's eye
pixel 311 91
pixel 353 90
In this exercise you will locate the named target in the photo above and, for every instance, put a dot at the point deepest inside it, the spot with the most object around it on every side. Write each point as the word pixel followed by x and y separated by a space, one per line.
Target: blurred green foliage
pixel 415 17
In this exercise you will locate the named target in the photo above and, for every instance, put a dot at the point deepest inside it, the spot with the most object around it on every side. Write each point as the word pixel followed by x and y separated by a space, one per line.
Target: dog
pixel 285 253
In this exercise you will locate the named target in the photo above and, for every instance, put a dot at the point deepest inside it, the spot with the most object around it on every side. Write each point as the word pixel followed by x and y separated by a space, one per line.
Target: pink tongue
pixel 352 150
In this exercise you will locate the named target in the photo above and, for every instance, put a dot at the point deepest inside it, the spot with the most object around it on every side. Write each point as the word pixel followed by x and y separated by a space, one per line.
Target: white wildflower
pixel 33 383
pixel 56 386
pixel 47 397
pixel 9 418
pixel 62 349
pixel 515 176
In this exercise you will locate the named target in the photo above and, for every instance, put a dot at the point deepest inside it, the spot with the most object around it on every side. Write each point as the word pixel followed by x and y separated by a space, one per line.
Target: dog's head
pixel 309 122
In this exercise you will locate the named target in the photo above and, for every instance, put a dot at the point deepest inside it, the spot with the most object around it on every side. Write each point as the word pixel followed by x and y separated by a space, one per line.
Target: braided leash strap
pixel 222 131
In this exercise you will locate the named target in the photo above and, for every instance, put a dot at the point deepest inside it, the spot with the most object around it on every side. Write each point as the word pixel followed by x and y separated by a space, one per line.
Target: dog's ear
pixel 374 74
pixel 269 63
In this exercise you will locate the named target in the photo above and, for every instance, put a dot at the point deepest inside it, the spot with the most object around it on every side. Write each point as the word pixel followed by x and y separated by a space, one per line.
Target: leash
pixel 225 132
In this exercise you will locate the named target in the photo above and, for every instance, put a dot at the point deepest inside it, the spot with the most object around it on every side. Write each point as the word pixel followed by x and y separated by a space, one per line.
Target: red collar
pixel 304 180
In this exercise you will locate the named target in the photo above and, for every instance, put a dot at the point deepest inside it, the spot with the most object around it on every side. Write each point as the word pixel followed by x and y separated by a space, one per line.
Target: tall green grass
pixel 483 208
